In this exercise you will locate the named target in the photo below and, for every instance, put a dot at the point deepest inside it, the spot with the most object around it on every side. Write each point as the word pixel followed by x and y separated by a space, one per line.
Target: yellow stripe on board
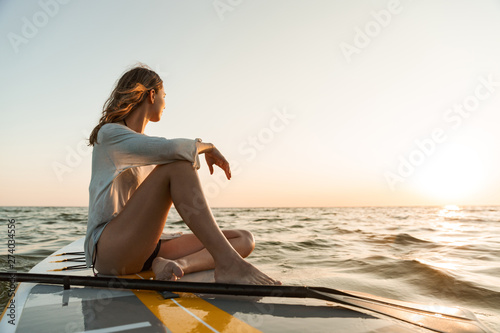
pixel 189 313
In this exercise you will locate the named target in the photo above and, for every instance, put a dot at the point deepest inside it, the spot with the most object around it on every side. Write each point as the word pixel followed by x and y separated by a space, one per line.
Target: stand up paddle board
pixel 64 296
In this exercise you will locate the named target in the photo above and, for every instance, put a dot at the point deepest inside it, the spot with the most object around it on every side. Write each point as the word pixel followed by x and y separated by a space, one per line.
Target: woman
pixel 135 180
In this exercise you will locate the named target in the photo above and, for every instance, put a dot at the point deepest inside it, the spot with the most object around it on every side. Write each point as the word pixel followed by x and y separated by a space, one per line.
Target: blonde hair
pixel 130 91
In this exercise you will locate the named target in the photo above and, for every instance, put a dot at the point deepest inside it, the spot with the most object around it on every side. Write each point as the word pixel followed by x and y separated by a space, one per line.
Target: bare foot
pixel 242 272
pixel 166 270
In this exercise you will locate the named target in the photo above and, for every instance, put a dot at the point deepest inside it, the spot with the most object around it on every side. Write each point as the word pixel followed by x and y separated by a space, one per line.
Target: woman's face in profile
pixel 158 105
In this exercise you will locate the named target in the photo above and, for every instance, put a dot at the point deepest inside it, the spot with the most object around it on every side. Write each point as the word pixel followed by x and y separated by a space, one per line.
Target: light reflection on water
pixel 451 212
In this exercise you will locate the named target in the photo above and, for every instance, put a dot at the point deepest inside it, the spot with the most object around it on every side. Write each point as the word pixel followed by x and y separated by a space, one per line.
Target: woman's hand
pixel 213 156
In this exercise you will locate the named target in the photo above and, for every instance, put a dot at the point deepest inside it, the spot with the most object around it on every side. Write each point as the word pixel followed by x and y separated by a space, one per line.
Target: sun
pixel 454 174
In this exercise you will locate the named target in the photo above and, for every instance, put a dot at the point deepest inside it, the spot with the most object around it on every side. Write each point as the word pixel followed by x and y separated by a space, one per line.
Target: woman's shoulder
pixel 113 128
pixel 110 130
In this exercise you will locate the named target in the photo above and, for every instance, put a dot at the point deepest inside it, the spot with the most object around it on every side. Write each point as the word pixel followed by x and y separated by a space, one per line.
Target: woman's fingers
pixel 215 157
pixel 224 165
pixel 227 170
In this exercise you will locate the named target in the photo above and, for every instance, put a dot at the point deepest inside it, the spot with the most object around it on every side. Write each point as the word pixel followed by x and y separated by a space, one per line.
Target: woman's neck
pixel 136 121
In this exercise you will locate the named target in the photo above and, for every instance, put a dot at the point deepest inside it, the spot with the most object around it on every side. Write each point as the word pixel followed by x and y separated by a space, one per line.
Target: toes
pixel 177 271
pixel 167 270
pixel 264 280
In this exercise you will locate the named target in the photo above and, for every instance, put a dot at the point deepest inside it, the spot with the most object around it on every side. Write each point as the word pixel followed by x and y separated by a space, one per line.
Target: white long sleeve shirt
pixel 121 160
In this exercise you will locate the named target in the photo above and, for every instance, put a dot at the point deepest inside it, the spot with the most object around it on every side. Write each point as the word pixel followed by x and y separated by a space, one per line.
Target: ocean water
pixel 433 255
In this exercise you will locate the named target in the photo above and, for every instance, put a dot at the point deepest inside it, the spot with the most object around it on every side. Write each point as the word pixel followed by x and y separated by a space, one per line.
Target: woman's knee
pixel 247 242
pixel 178 165
pixel 175 167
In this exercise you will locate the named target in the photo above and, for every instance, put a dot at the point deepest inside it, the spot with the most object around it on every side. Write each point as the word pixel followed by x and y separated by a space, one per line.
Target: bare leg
pixel 189 255
pixel 129 239
pixel 193 207
pixel 174 259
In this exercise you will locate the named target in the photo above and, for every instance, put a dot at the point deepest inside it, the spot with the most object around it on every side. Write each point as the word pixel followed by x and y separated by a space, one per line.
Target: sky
pixel 314 103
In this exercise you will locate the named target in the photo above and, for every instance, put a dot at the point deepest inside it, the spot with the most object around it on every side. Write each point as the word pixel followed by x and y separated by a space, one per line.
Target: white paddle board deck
pixel 50 308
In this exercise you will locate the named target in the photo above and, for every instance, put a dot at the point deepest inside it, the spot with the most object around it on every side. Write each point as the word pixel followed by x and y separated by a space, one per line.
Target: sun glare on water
pixel 451 229
pixel 452 212
pixel 439 264
pixel 448 231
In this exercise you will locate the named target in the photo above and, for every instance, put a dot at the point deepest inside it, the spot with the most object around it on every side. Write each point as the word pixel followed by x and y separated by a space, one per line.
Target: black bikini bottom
pixel 149 262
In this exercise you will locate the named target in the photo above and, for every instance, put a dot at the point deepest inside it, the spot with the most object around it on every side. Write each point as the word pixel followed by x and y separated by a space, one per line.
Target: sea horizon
pixel 344 206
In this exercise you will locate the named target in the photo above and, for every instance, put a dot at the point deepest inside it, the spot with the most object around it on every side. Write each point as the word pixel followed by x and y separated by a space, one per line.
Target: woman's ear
pixel 151 96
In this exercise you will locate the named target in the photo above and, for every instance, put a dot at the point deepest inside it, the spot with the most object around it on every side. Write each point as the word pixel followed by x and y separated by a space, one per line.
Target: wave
pixel 70 217
pixel 329 213
pixel 309 219
pixel 400 217
pixel 398 239
pixel 406 239
pixel 274 219
pixel 342 231
pixel 444 284
pixel 264 244
pixel 301 246
pixel 468 219
pixel 427 279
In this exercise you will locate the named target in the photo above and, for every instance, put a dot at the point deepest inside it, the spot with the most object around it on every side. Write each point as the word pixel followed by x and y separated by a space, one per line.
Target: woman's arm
pixel 203 147
pixel 213 156
pixel 125 148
